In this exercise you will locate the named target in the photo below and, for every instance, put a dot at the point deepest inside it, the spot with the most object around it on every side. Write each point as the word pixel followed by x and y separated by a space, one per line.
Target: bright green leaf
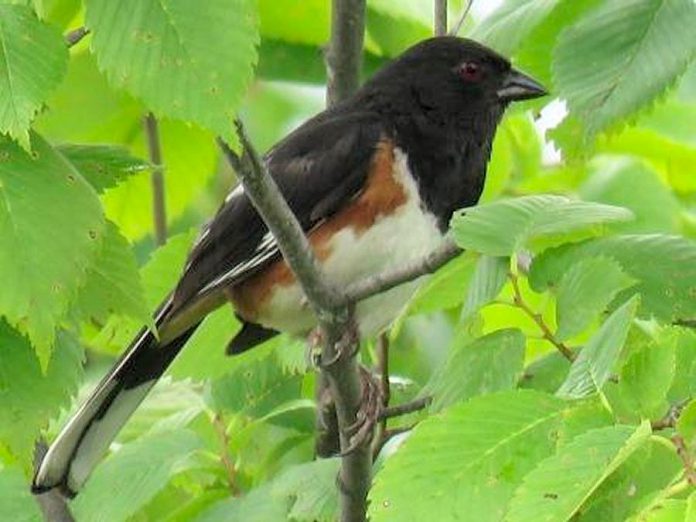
pixel 664 266
pixel 684 384
pixel 489 364
pixel 620 57
pixel 466 462
pixel 686 424
pixel 311 489
pixel 104 166
pixel 161 52
pixel 596 361
pixel 137 472
pixel 112 284
pixel 445 289
pixel 33 60
pixel 50 228
pixel 255 388
pixel 585 291
pixel 305 22
pixel 16 501
pixel 558 486
pixel 504 227
pixel 257 505
pixel 646 377
pixel 30 398
pixel 488 280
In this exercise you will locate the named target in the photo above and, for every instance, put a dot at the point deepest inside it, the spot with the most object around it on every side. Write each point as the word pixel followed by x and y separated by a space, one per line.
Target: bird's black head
pixel 451 79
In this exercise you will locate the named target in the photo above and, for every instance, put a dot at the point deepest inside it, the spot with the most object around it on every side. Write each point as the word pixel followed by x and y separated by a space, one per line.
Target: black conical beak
pixel 518 86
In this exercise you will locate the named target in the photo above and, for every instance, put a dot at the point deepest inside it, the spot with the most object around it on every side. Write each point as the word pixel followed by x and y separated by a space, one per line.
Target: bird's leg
pixel 367 417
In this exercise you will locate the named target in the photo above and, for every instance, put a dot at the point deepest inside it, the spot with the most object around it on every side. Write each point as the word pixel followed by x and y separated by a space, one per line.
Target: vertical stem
pixel 440 25
pixel 344 55
pixel 159 211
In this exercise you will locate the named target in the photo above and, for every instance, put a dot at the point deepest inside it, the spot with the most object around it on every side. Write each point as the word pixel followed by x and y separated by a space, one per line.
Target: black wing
pixel 318 168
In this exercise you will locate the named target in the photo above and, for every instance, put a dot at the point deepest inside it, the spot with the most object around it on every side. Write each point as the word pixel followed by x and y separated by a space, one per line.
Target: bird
pixel 373 182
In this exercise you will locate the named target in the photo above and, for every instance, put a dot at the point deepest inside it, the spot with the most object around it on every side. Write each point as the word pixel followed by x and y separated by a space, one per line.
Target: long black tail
pixel 88 434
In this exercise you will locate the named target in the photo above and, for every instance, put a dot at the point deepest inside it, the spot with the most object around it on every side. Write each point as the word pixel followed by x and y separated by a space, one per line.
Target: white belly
pixel 393 240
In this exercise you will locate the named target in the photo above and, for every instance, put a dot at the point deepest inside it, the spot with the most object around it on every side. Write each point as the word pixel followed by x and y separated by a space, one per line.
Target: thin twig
pixel 225 458
pixel 344 54
pixel 406 408
pixel 686 458
pixel 440 17
pixel 159 210
pixel 74 36
pixel 338 330
pixel 382 282
pixel 454 31
pixel 54 506
pixel 538 319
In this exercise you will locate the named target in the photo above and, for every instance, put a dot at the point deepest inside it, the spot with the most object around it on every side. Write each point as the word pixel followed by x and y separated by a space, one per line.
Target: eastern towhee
pixel 373 182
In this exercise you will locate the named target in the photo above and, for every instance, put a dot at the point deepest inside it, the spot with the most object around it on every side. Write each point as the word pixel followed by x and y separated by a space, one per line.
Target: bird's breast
pixel 385 226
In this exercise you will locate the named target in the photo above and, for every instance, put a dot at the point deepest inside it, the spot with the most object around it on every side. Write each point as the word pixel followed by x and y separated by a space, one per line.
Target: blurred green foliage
pixel 585 244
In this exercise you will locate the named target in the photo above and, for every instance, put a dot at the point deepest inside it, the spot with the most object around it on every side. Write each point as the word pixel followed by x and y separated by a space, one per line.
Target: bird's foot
pixel 361 431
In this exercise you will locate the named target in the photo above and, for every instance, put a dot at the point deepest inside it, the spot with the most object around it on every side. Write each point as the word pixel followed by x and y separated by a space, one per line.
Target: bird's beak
pixel 518 86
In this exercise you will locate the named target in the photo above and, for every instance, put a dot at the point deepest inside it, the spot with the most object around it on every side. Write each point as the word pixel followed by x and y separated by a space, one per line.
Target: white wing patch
pixel 266 249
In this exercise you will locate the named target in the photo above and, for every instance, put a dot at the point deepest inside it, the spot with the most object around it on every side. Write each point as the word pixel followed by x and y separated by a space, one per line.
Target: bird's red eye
pixel 470 71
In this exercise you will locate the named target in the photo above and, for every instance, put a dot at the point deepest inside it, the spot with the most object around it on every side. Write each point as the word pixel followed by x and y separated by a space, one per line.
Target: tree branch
pixel 344 55
pixel 159 210
pixel 382 282
pixel 54 506
pixel 74 36
pixel 338 331
pixel 440 16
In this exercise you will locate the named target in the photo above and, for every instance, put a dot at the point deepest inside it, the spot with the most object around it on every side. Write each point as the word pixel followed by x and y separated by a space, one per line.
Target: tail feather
pixel 88 434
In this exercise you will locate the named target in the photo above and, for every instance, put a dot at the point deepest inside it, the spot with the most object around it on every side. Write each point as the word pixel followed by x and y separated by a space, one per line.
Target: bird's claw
pixel 360 432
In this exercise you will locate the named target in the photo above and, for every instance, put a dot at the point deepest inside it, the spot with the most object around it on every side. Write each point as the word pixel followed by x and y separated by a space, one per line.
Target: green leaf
pixel 646 377
pixel 489 279
pixel 634 186
pixel 257 506
pixel 16 501
pixel 50 227
pixel 664 266
pixel 596 361
pixel 445 289
pixel 255 388
pixel 305 22
pixel 161 53
pixel 311 489
pixel 585 291
pixel 686 424
pixel 104 166
pixel 559 485
pixel 506 28
pixel 546 373
pixel 33 60
pixel 600 63
pixel 504 227
pixel 684 384
pixel 113 284
pixel 186 149
pixel 30 397
pixel 489 364
pixel 138 471
pixel 466 462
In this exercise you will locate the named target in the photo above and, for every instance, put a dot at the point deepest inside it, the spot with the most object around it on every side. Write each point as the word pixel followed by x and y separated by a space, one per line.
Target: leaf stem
pixel 225 458
pixel 546 332
pixel 74 36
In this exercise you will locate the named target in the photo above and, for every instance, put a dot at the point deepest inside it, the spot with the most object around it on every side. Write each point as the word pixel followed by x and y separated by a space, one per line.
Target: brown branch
pixel 382 282
pixel 546 332
pixel 406 408
pixel 159 210
pixel 344 55
pixel 225 458
pixel 54 506
pixel 686 458
pixel 338 330
pixel 74 36
pixel 440 17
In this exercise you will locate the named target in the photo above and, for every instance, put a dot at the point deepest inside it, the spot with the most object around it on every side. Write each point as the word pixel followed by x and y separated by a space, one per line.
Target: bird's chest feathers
pixel 384 227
